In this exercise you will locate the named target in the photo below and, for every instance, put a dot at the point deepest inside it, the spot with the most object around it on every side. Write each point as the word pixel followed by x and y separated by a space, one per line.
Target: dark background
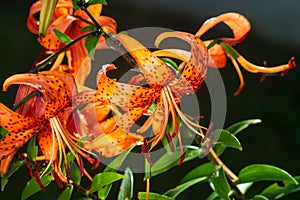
pixel 274 37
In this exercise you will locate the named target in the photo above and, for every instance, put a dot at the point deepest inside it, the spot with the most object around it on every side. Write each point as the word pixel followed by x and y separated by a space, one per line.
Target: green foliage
pixel 33 187
pixel 103 179
pixel 220 184
pixel 66 194
pixel 14 166
pixel 32 149
pixel 152 196
pixel 126 188
pixel 90 44
pixel 62 37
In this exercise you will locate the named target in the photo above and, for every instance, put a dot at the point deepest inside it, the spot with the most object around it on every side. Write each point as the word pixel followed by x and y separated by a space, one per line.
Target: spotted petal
pixel 155 70
pixel 195 69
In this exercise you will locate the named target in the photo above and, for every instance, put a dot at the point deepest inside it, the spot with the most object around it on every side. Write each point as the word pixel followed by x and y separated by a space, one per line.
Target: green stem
pixel 25 99
pixel 52 57
pixel 229 50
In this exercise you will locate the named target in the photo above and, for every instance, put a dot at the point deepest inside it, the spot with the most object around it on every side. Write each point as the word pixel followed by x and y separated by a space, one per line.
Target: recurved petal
pixel 156 72
pixel 56 87
pixel 195 69
pixel 239 25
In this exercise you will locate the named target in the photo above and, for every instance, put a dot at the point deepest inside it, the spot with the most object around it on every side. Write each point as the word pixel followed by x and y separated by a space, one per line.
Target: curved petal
pixel 50 41
pixel 195 69
pixel 156 72
pixel 109 25
pixel 239 25
pixel 57 88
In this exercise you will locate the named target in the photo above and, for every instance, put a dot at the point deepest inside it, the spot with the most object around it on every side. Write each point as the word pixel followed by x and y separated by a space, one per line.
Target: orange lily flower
pixel 50 127
pixel 164 89
pixel 70 22
pixel 218 51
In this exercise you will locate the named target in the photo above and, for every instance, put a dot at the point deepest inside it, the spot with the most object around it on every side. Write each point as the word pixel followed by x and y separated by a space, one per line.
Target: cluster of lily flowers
pixel 66 116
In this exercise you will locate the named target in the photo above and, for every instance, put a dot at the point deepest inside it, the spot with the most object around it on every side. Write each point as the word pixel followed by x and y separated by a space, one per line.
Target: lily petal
pixel 195 69
pixel 239 25
pixel 156 72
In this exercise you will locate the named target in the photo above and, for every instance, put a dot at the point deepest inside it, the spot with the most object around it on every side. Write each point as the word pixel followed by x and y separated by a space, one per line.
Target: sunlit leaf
pixel 277 191
pixel 14 166
pixel 90 45
pixel 126 188
pixel 213 196
pixel 75 6
pixel 32 149
pixel 220 184
pixel 259 197
pixel 204 170
pixel 226 139
pixel 170 63
pixel 103 179
pixel 62 37
pixel 88 28
pixel 173 193
pixel 3 131
pixel 66 194
pixel 33 187
pixel 168 161
pixel 244 187
pixel 239 126
pixel 152 196
pixel 46 14
pixel 262 172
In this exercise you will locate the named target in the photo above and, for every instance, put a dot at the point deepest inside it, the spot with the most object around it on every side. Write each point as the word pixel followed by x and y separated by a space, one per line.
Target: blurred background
pixel 274 38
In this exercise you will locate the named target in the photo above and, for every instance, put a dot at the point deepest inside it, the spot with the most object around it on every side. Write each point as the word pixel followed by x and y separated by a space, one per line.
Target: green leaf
pixel 75 6
pixel 33 187
pixel 204 170
pixel 92 2
pixel 226 139
pixel 261 172
pixel 213 196
pixel 3 131
pixel 173 193
pixel 85 198
pixel 259 197
pixel 88 28
pixel 14 166
pixel 244 187
pixel 239 126
pixel 62 37
pixel 113 167
pixel 126 188
pixel 170 63
pixel 168 161
pixel 46 14
pixel 32 149
pixel 90 45
pixel 152 196
pixel 75 173
pixel 277 191
pixel 66 194
pixel 220 184
pixel 103 179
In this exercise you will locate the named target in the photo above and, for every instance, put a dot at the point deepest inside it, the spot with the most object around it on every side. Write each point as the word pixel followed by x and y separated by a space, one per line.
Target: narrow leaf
pixel 213 196
pixel 46 14
pixel 173 193
pixel 152 196
pixel 277 191
pixel 75 173
pixel 261 172
pixel 168 161
pixel 90 45
pixel 226 139
pixel 239 126
pixel 92 2
pixel 62 37
pixel 126 188
pixel 32 149
pixel 14 166
pixel 259 197
pixel 220 184
pixel 103 179
pixel 66 194
pixel 75 6
pixel 33 187
pixel 204 170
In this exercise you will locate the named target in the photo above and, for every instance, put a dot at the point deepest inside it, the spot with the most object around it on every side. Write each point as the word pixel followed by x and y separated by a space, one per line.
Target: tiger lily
pixel 221 48
pixel 163 88
pixel 71 23
pixel 50 124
